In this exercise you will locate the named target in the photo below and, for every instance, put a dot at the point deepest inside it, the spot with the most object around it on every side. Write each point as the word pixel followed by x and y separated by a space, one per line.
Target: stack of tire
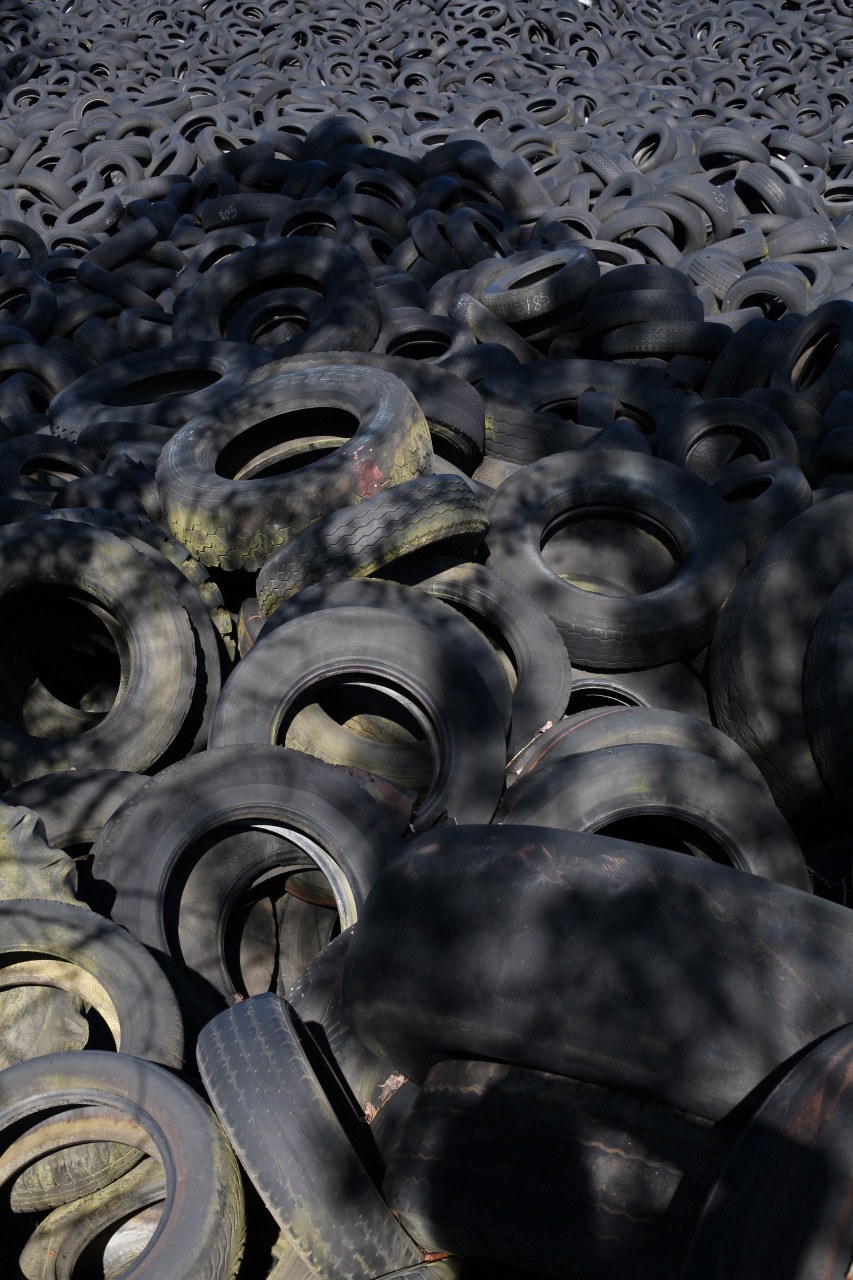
pixel 426 493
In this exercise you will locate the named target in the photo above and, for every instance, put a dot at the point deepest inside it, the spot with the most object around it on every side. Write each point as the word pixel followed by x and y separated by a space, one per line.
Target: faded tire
pixel 200 1234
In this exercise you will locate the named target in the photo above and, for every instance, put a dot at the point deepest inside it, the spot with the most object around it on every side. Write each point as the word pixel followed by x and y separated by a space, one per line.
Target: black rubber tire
pixel 182 572
pixel 759 646
pixel 209 644
pixel 666 338
pixel 666 796
pixel 540 667
pixel 75 805
pixel 797 1130
pixel 202 1226
pixel 764 497
pixel 640 959
pixel 452 408
pixel 606 727
pixel 550 387
pixel 63 1236
pixel 55 461
pixel 148 623
pixel 163 388
pixel 312 1161
pixel 354 543
pixel 617 1175
pixel 192 814
pixel 459 714
pixel 639 306
pixel 347 318
pixel 125 983
pixel 827 689
pixel 316 997
pixel 235 523
pixel 711 435
pixel 444 623
pixel 619 630
pixel 815 357
pixel 674 686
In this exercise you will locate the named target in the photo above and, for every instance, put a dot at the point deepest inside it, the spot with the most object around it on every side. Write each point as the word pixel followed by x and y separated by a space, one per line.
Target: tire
pixel 201 1230
pixel 614 1173
pixel 164 388
pixel 538 307
pixel 154 537
pixel 639 306
pixel 764 497
pixel 827 692
pixel 671 687
pixel 618 629
pixel 316 997
pixel 666 338
pixel 664 796
pixel 215 824
pixel 629 943
pixel 55 461
pixel 526 641
pixel 710 436
pixel 61 1238
pixel 456 710
pixel 797 1129
pixel 312 1161
pixel 554 387
pixel 147 626
pixel 814 359
pixel 347 318
pixel 119 978
pixel 227 514
pixel 759 646
pixel 607 727
pixel 452 408
pixel 355 543
pixel 447 627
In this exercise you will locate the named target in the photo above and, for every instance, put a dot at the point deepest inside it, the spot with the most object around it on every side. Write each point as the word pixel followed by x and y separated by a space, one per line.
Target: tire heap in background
pixel 426 574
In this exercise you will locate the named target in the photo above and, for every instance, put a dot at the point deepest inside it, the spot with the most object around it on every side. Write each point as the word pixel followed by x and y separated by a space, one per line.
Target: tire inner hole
pixel 666 831
pixel 247 910
pixel 285 442
pixel 365 724
pixel 51 689
pixel 609 552
pixel 162 386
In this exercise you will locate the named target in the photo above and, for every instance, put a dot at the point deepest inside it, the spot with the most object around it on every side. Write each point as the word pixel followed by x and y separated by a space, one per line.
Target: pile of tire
pixel 426 557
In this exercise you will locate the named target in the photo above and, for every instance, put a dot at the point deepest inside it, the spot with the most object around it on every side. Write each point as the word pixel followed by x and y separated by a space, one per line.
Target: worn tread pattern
pixel 295 1139
pixel 355 542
